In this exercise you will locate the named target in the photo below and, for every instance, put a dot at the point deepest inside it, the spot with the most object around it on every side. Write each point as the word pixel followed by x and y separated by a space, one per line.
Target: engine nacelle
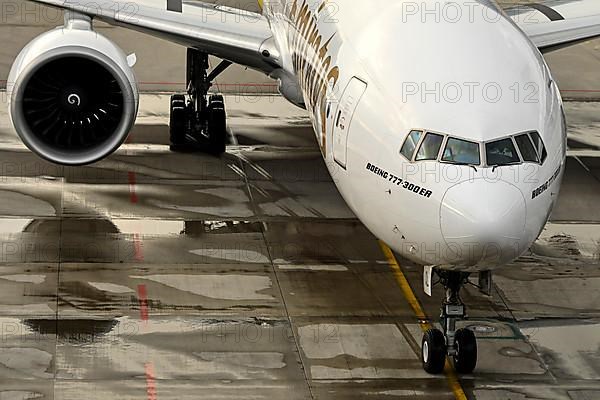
pixel 72 94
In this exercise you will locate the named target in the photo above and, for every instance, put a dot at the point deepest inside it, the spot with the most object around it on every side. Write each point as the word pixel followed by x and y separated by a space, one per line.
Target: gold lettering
pixel 303 18
pixel 334 74
pixel 312 61
pixel 323 51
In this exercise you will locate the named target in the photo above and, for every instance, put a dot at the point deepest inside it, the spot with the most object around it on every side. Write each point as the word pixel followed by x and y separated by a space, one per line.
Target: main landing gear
pixel 198 122
pixel 460 344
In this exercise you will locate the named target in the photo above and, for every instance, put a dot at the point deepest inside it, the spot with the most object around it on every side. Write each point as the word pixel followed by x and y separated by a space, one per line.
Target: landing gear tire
pixel 465 358
pixel 198 121
pixel 178 98
pixel 177 122
pixel 433 354
pixel 216 99
pixel 217 125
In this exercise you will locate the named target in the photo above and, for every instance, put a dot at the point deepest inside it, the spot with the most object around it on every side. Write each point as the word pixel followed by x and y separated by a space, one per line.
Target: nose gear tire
pixel 465 358
pixel 433 354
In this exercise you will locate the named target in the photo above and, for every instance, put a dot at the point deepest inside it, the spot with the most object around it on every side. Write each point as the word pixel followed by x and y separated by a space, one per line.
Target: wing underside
pixel 238 36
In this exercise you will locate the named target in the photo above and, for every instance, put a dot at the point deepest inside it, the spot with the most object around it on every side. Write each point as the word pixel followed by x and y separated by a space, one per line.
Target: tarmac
pixel 159 275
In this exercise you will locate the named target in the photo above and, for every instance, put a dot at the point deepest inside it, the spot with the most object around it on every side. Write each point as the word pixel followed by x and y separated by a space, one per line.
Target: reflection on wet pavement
pixel 185 276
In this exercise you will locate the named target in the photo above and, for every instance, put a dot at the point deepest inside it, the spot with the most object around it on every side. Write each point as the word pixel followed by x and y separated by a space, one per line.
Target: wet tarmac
pixel 155 275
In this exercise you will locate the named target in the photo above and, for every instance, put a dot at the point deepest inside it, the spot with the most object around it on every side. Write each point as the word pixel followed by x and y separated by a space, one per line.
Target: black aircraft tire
pixel 217 128
pixel 433 354
pixel 465 359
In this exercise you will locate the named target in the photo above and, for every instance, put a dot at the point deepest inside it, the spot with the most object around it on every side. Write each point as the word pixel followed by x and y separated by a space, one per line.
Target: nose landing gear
pixel 198 122
pixel 461 344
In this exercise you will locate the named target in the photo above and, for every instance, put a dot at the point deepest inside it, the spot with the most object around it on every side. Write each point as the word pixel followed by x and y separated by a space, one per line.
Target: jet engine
pixel 72 94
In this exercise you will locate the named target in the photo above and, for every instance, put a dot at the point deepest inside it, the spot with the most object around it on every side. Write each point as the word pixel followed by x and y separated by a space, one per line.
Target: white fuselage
pixel 371 72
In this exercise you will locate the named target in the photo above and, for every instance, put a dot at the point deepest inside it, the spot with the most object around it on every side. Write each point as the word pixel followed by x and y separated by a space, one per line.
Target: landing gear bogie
pixel 198 122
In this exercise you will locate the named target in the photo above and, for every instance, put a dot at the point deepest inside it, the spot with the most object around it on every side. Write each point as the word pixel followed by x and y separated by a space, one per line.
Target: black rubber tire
pixel 216 98
pixel 217 127
pixel 177 121
pixel 465 359
pixel 177 126
pixel 178 98
pixel 433 351
pixel 178 103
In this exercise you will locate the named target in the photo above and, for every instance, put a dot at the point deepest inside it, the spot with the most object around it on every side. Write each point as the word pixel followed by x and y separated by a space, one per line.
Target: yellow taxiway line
pixel 414 303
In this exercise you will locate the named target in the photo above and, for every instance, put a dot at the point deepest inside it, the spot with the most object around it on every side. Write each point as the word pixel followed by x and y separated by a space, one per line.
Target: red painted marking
pixel 132 195
pixel 143 299
pixel 150 381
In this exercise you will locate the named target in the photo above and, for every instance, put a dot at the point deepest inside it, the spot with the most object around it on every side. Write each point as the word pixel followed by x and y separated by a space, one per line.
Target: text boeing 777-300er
pixel 439 120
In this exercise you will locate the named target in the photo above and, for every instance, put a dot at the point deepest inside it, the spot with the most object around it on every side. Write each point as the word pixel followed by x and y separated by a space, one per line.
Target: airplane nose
pixel 483 223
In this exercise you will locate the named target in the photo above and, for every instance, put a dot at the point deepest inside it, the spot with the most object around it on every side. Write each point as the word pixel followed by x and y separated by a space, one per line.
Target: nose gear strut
pixel 461 344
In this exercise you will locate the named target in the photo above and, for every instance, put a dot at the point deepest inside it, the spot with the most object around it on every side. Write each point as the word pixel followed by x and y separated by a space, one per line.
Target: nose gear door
pixel 343 119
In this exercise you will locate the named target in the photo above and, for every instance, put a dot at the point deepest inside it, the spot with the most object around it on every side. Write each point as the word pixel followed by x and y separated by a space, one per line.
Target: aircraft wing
pixel 553 24
pixel 238 36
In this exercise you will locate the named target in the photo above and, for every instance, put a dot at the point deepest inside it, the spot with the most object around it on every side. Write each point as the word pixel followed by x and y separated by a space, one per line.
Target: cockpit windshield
pixel 411 144
pixel 501 152
pixel 539 146
pixel 430 147
pixel 526 147
pixel 460 151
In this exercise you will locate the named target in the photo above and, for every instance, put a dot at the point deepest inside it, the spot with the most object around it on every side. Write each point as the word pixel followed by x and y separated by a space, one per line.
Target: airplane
pixel 439 120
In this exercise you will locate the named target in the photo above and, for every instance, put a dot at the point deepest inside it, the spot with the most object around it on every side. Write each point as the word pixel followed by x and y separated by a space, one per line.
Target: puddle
pixel 21 278
pixel 324 267
pixel 569 240
pixel 13 202
pixel 367 342
pixel 29 361
pixel 111 287
pixel 13 225
pixel 235 255
pixel 569 351
pixel 72 329
pixel 149 226
pixel 221 287
pixel 266 360
pixel 322 372
pixel 236 210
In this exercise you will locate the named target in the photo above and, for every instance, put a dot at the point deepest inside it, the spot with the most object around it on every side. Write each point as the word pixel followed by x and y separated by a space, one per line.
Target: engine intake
pixel 73 96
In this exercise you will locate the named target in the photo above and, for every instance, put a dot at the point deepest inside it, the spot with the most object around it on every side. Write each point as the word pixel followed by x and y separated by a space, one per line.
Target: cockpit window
pixel 526 147
pixel 430 147
pixel 459 151
pixel 409 146
pixel 501 152
pixel 539 146
pixel 421 145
